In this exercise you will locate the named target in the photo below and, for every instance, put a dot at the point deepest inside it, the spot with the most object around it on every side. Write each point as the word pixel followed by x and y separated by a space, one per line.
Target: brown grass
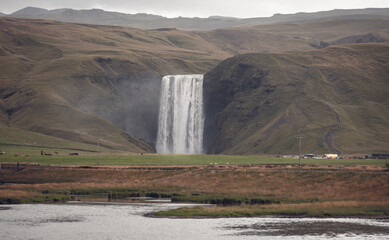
pixel 324 209
pixel 14 194
pixel 282 184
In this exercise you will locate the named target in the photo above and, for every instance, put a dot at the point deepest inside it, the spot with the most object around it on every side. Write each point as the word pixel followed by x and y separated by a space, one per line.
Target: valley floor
pixel 237 190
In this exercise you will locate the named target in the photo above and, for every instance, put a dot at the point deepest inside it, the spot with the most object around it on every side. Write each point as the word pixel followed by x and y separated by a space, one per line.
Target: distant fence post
pixel 299 137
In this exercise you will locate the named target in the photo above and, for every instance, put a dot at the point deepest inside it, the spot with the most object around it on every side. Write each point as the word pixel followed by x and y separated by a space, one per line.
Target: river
pixel 127 221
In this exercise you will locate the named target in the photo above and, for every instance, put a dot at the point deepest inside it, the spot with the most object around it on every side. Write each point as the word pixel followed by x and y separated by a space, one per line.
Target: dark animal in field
pixel 73 154
pixel 46 154
pixel 56 153
pixel 16 155
pixel 2 153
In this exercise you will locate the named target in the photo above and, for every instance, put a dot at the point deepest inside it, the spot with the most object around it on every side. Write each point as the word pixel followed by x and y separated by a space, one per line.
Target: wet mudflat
pixel 128 221
pixel 311 227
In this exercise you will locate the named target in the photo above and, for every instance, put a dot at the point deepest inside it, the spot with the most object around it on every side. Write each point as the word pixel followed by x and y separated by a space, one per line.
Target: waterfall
pixel 181 115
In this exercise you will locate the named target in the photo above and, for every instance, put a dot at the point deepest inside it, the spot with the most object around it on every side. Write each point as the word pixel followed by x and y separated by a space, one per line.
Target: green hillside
pixel 65 86
pixel 68 85
pixel 336 99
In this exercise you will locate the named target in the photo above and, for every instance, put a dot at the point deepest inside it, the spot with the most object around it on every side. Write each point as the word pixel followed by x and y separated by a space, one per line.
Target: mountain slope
pixel 336 98
pixel 32 11
pixel 80 83
pixel 74 84
pixel 148 21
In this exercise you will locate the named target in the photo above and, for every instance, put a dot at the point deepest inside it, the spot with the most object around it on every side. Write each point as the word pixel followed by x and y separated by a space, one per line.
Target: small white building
pixel 331 156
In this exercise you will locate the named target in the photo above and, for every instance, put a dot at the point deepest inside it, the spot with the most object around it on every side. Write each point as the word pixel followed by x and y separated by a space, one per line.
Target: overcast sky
pixel 198 8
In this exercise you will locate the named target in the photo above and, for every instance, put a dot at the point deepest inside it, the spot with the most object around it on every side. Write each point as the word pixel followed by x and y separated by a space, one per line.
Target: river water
pixel 127 221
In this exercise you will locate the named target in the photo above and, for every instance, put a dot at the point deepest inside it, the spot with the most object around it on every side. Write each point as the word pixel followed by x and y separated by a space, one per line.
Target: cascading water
pixel 181 115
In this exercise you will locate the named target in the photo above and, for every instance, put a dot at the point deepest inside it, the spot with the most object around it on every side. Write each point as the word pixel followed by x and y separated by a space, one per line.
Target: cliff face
pixel 335 98
pixel 74 84
pixel 68 85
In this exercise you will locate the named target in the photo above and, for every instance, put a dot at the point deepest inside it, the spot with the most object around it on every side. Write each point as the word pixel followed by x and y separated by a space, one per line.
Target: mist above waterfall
pixel 129 102
pixel 181 115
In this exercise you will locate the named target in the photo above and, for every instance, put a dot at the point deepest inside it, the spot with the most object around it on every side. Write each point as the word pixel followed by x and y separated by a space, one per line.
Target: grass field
pixel 249 189
pixel 163 159
pixel 326 209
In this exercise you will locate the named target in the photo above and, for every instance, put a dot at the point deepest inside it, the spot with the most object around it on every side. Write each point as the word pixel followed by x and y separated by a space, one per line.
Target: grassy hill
pixel 74 84
pixel 335 98
pixel 67 85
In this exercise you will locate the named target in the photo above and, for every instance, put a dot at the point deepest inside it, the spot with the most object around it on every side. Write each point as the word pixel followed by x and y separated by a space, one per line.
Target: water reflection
pixel 127 221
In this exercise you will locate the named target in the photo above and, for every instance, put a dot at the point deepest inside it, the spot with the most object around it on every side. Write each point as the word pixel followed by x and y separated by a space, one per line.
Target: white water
pixel 181 115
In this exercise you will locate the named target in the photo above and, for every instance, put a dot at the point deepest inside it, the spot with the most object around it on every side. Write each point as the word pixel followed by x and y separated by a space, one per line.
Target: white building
pixel 331 156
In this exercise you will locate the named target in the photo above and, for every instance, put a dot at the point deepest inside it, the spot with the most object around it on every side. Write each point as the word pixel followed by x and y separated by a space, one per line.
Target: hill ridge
pixel 150 21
